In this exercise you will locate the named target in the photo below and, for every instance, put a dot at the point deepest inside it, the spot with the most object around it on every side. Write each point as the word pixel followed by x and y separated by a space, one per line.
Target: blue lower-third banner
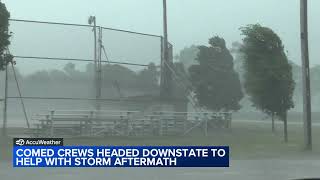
pixel 120 156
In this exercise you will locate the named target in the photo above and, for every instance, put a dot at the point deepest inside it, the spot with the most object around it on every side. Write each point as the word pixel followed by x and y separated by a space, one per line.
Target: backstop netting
pixel 55 68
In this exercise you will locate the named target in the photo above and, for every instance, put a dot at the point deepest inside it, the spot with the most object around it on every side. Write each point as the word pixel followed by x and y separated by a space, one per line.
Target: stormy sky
pixel 189 21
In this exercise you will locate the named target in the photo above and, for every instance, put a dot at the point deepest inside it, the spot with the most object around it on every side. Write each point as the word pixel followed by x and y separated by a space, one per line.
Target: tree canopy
pixel 4 36
pixel 144 79
pixel 268 73
pixel 188 55
pixel 216 84
pixel 148 77
pixel 182 86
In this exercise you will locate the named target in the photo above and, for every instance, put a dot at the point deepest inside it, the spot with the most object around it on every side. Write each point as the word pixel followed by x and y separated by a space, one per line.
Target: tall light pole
pixel 305 75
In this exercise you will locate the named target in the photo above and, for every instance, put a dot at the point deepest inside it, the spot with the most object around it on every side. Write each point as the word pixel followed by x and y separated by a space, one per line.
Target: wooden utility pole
pixel 96 56
pixel 166 79
pixel 5 103
pixel 305 75
pixel 99 70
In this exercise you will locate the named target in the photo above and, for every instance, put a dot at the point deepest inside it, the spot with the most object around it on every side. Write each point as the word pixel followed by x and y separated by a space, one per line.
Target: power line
pixel 21 100
pixel 80 99
pixel 77 59
pixel 47 22
pixel 84 25
pixel 132 32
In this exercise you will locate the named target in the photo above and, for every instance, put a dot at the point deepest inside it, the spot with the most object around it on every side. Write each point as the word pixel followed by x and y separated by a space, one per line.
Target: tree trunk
pixel 272 118
pixel 285 126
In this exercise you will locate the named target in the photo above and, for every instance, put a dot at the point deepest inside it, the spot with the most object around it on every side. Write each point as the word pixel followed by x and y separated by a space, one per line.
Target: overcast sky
pixel 189 21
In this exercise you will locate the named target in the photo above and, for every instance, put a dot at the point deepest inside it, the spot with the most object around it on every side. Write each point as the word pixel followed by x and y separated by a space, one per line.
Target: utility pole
pixel 305 75
pixel 166 81
pixel 99 69
pixel 5 102
pixel 92 21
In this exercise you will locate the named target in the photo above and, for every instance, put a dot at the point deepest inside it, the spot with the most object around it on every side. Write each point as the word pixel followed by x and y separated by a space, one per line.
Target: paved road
pixel 239 170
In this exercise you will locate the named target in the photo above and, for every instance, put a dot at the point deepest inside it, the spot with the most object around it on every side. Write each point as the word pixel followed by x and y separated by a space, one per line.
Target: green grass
pixel 246 141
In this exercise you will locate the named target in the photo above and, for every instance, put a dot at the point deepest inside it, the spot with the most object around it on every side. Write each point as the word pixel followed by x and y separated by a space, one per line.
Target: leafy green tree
pixel 118 75
pixel 182 85
pixel 70 68
pixel 216 84
pixel 58 76
pixel 315 77
pixel 5 58
pixel 148 78
pixel 39 77
pixel 74 74
pixel 188 55
pixel 268 73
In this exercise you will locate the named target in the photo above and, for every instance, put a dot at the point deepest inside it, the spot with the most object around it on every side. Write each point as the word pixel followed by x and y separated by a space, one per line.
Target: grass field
pixel 247 140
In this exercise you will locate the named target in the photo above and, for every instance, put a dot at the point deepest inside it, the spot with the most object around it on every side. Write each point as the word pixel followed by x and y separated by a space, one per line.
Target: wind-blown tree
pixel 216 84
pixel 121 76
pixel 148 78
pixel 188 55
pixel 38 77
pixel 268 73
pixel 5 58
pixel 70 68
pixel 59 76
pixel 238 59
pixel 74 74
pixel 315 77
pixel 182 85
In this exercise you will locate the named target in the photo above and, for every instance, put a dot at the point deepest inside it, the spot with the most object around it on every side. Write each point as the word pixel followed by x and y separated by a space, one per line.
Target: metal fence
pixel 56 68
pixel 88 68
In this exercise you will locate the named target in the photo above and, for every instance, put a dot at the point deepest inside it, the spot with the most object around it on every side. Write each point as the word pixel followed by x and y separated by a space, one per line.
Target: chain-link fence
pixel 55 68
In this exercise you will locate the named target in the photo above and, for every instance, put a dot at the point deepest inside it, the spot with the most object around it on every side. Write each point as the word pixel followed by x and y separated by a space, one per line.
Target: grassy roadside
pixel 246 140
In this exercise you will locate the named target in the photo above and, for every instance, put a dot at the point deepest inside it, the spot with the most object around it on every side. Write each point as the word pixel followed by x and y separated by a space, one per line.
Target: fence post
pixel 128 120
pixel 52 124
pixel 185 122
pixel 206 124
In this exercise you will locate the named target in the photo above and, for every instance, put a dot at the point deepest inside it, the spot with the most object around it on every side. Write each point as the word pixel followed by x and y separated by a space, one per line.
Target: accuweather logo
pixel 38 141
pixel 20 142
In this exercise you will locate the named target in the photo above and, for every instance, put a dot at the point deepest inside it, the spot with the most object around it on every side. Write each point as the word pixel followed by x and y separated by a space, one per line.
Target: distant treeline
pixel 112 75
pixel 69 81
